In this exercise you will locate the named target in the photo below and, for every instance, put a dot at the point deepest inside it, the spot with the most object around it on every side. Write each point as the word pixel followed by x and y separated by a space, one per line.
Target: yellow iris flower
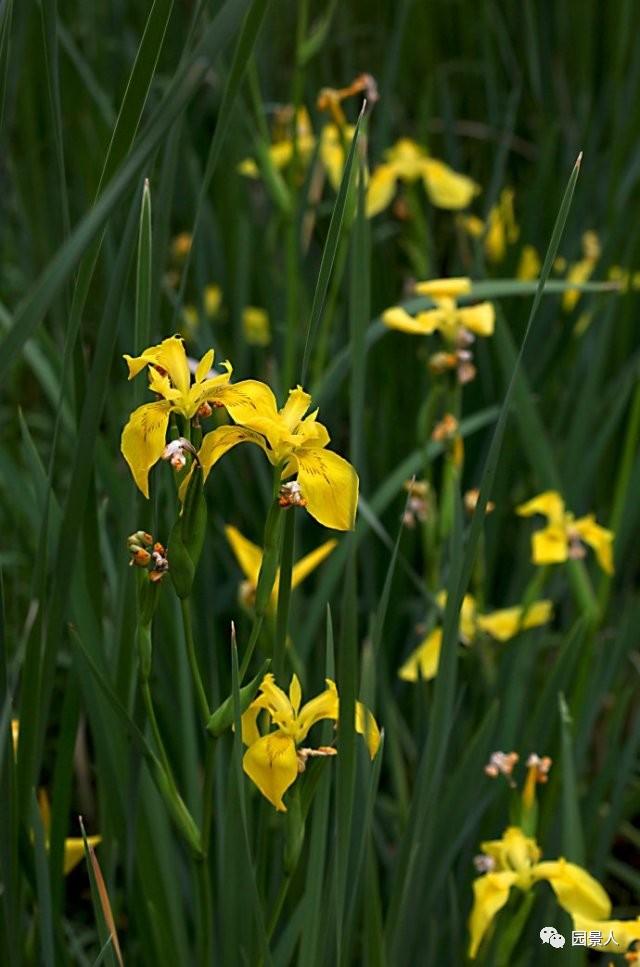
pixel 564 536
pixel 272 761
pixel 514 860
pixel 73 846
pixel 334 143
pixel 144 436
pixel 501 625
pixel 249 557
pixel 408 162
pixel 327 484
pixel 447 318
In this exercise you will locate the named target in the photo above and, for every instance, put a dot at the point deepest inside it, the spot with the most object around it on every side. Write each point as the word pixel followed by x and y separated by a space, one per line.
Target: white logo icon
pixel 551 936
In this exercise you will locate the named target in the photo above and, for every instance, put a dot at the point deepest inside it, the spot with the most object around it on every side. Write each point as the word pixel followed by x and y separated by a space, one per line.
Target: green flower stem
pixel 201 696
pixel 205 904
pixel 268 568
pixel 166 783
pixel 153 722
pixel 284 594
pixel 583 590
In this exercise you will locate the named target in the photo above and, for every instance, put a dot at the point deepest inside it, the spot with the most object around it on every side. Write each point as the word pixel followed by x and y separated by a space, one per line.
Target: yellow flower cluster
pixel 406 162
pixel 291 438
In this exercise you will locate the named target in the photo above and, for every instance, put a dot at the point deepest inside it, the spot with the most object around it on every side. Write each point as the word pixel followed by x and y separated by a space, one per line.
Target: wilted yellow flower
pixel 514 860
pixel 327 485
pixel 529 265
pixel 249 557
pixel 501 625
pixel 273 761
pixel 255 325
pixel 73 846
pixel 564 536
pixel 456 325
pixel 144 436
pixel 408 162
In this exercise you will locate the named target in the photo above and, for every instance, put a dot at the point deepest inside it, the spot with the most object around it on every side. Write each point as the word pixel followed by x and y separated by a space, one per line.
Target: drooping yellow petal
pixel 271 763
pixel 144 439
pixel 367 726
pixel 624 933
pixel 170 356
pixel 329 485
pixel 597 537
pixel 74 851
pixel 298 402
pixel 490 894
pixel 479 318
pixel 445 187
pixel 507 622
pixel 247 554
pixel 577 891
pixel 380 189
pixel 220 441
pixel 310 562
pixel 444 288
pixel 250 732
pixel 423 662
pixel 550 504
pixel 550 545
pixel 424 324
pixel 326 705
